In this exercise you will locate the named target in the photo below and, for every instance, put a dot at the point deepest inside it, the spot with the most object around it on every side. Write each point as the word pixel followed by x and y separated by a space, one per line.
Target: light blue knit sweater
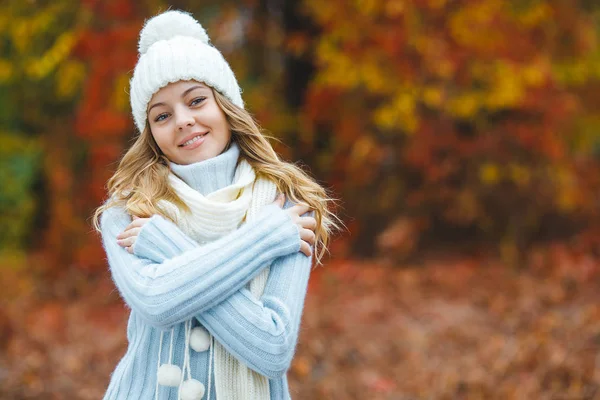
pixel 171 279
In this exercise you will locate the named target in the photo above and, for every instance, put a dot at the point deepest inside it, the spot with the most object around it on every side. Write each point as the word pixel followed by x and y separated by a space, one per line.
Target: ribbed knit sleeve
pixel 160 239
pixel 262 333
pixel 180 287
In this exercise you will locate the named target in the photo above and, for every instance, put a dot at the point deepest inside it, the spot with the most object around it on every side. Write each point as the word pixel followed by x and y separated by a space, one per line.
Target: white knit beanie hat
pixel 174 46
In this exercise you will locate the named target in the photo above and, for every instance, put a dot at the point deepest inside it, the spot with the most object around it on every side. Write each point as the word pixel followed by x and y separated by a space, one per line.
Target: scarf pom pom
pixel 169 375
pixel 199 339
pixel 191 390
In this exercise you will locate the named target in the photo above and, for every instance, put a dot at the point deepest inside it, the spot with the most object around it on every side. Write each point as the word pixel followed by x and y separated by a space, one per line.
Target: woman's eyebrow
pixel 185 93
pixel 190 89
pixel 154 105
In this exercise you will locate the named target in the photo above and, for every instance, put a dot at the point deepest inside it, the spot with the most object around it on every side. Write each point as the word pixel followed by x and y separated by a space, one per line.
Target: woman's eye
pixel 160 117
pixel 197 101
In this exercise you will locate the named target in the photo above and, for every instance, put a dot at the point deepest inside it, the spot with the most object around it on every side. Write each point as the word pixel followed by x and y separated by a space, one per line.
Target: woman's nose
pixel 184 118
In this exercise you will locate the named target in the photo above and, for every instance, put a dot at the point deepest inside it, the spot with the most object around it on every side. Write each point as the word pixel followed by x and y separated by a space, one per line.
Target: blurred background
pixel 462 138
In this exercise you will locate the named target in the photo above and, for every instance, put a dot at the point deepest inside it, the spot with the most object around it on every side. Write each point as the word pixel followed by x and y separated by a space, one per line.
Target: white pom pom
pixel 199 339
pixel 191 390
pixel 167 25
pixel 169 375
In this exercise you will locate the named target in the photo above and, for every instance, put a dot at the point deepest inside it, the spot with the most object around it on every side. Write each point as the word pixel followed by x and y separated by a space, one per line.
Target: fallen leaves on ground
pixel 449 329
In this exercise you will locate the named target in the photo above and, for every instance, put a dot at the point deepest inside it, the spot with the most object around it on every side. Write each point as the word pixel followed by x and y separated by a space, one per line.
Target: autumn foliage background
pixel 462 138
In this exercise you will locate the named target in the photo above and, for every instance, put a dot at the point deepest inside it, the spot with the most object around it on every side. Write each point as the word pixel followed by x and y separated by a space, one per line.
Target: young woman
pixel 204 231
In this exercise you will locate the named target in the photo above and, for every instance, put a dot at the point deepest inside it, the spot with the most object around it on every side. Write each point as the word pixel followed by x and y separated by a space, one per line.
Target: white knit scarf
pixel 212 217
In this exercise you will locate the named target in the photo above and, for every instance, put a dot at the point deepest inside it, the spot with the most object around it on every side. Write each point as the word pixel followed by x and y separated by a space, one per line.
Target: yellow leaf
pixel 566 200
pixel 40 68
pixel 464 106
pixel 394 8
pixel 120 95
pixel 489 173
pixel 361 149
pixel 4 21
pixel 384 118
pixel 68 78
pixel 519 174
pixel 400 113
pixel 437 4
pixel 337 69
pixel 507 88
pixel 535 15
pixel 472 25
pixel 432 96
pixel 533 75
pixel 367 7
pixel 373 78
pixel 6 71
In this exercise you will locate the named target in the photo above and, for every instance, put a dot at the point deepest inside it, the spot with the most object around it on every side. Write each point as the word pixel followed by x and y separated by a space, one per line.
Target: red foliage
pixel 464 112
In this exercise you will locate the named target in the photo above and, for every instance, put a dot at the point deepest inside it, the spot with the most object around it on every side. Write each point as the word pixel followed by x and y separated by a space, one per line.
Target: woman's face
pixel 187 123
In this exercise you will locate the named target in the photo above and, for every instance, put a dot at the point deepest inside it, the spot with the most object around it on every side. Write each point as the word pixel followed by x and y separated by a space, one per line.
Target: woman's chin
pixel 197 156
pixel 202 153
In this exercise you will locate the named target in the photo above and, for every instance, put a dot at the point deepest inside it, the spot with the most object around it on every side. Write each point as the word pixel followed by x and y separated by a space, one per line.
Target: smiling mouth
pixel 192 140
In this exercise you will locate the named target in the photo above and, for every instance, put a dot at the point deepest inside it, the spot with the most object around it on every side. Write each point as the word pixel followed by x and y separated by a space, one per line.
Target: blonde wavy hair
pixel 141 179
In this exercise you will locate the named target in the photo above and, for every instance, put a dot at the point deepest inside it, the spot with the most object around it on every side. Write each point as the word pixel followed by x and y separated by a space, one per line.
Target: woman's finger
pixel 305 249
pixel 308 223
pixel 125 232
pixel 308 236
pixel 138 222
pixel 126 242
pixel 129 233
pixel 300 209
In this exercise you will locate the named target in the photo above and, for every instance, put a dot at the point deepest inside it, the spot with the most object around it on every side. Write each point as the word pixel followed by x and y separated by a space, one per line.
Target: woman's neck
pixel 209 175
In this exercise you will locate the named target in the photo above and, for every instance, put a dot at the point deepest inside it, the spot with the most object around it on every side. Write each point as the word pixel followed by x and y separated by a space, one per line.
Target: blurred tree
pixel 466 116
pixel 63 70
pixel 108 48
pixel 36 97
pixel 474 114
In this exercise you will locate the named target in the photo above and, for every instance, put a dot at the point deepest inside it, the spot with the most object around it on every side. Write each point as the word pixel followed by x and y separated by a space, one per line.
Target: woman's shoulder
pixel 114 215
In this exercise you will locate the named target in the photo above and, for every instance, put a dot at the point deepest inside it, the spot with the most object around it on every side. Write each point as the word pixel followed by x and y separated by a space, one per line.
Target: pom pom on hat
pixel 174 46
pixel 168 25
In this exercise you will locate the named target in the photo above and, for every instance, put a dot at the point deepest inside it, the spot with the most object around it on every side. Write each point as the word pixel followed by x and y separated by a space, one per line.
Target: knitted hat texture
pixel 173 46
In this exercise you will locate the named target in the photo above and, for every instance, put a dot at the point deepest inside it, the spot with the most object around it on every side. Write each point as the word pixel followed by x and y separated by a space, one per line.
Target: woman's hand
pixel 306 225
pixel 127 238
